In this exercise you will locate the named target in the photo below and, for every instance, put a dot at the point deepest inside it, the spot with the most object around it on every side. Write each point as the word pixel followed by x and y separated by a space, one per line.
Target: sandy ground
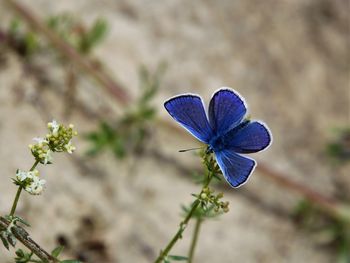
pixel 289 59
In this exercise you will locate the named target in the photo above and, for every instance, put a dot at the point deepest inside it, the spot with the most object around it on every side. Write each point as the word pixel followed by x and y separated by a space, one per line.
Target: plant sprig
pixel 206 205
pixel 58 139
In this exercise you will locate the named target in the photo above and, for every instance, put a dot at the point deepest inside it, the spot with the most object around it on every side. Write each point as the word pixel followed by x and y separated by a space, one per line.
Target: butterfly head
pixel 216 143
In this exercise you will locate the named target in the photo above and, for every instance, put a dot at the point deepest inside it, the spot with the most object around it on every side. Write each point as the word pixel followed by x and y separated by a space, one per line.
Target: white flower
pixel 36 187
pixel 54 126
pixel 48 157
pixel 22 175
pixel 32 183
pixel 40 140
pixel 69 147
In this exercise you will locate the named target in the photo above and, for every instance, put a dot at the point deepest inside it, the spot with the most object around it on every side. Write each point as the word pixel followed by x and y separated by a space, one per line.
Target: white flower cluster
pixel 30 181
pixel 41 150
pixel 57 140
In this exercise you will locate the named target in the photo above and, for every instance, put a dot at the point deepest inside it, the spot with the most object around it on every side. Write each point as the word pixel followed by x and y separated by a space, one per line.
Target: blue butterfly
pixel 226 132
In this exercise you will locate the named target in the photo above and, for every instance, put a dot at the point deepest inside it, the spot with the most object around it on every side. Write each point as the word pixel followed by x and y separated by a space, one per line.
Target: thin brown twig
pixel 70 53
pixel 71 90
pixel 23 236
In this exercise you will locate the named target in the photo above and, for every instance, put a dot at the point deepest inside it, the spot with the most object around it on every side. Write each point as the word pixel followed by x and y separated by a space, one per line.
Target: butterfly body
pixel 226 132
pixel 222 141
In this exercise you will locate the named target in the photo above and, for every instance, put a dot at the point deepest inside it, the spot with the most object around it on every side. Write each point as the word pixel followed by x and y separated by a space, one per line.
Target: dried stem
pixel 71 90
pixel 70 53
pixel 329 205
pixel 23 236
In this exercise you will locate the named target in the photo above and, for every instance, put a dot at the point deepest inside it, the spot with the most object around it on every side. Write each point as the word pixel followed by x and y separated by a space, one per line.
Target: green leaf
pixel 20 253
pixel 9 218
pixel 25 257
pixel 217 177
pixel 119 148
pixel 14 26
pixel 177 258
pixel 148 113
pixel 12 239
pixel 101 138
pixel 343 254
pixel 57 251
pixel 21 220
pixel 31 42
pixel 149 83
pixel 93 37
pixel 98 31
pixel 3 238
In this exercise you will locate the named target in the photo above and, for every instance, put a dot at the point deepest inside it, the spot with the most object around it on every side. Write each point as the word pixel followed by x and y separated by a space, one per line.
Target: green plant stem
pixel 19 191
pixel 183 224
pixel 14 205
pixel 178 234
pixel 194 239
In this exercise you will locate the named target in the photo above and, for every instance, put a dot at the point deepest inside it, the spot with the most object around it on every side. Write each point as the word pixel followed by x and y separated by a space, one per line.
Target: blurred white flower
pixel 69 147
pixel 48 157
pixel 40 140
pixel 54 127
pixel 22 175
pixel 36 187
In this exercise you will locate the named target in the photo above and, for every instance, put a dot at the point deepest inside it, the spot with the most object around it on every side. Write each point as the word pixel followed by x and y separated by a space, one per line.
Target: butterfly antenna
pixel 192 149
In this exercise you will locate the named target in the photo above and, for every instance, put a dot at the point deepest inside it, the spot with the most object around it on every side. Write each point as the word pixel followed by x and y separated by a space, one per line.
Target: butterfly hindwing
pixel 235 168
pixel 251 138
pixel 189 111
pixel 226 110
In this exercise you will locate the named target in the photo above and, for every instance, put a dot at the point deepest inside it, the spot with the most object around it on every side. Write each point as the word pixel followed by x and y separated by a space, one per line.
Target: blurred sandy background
pixel 289 59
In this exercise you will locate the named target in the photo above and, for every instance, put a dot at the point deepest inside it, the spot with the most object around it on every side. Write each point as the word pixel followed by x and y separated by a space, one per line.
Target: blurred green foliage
pixel 23 40
pixel 23 257
pixel 28 43
pixel 171 258
pixel 202 212
pixel 27 257
pixel 84 39
pixel 339 149
pixel 130 131
pixel 6 235
pixel 328 231
pixel 210 207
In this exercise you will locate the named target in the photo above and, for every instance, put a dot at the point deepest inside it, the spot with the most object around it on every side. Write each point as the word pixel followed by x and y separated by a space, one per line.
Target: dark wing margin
pixel 235 168
pixel 189 111
pixel 252 138
pixel 226 110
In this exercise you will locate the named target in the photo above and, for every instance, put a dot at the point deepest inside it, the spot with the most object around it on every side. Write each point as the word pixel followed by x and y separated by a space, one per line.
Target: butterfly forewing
pixel 226 110
pixel 189 111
